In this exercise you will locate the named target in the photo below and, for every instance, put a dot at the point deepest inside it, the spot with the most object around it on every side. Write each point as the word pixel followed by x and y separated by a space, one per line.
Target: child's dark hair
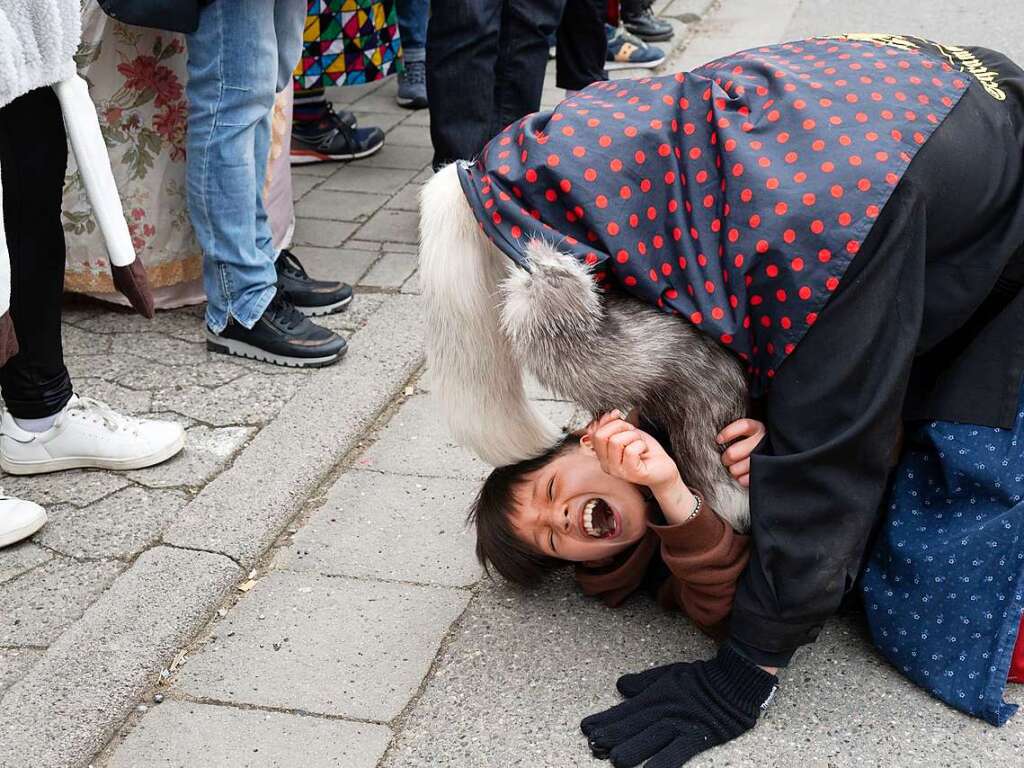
pixel 497 544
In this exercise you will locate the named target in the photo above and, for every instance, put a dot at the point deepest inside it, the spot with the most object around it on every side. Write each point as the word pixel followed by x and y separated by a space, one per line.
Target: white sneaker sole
pixel 215 343
pixel 309 156
pixel 18 534
pixel 91 462
pixel 326 309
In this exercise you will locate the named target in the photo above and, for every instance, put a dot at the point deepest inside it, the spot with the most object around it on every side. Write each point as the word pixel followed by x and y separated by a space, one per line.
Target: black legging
pixel 33 159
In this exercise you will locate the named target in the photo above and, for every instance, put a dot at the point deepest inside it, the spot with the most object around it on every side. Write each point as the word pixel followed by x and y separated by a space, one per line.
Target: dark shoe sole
pixel 662 37
pixel 237 348
pixel 310 156
pixel 412 103
pixel 325 309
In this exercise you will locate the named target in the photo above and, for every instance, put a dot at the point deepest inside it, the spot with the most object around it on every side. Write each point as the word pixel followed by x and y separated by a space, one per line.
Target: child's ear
pixel 586 446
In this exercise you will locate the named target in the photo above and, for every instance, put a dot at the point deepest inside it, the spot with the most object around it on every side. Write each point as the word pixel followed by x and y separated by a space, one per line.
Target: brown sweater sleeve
pixel 705 556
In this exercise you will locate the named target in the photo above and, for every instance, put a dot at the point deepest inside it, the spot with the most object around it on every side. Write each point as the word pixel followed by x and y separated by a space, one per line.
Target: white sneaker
pixel 19 519
pixel 88 433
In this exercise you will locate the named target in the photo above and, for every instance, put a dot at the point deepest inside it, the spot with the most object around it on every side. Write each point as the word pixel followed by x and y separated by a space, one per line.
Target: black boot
pixel 639 19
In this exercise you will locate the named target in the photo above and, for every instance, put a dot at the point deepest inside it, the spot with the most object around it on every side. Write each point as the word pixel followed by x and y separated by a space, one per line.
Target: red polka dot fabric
pixel 734 195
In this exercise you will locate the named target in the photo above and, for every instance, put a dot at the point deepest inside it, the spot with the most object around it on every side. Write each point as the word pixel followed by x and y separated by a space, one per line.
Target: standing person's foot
pixel 333 139
pixel 88 433
pixel 282 336
pixel 628 52
pixel 310 296
pixel 645 25
pixel 412 85
pixel 19 519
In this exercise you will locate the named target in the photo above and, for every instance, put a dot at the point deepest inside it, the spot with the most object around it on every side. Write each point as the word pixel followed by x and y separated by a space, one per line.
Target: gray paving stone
pixel 410 136
pixel 398 156
pixel 207 451
pixel 381 100
pixel 339 206
pixel 40 604
pixel 18 558
pixel 301 185
pixel 397 226
pixel 408 199
pixel 390 527
pixel 360 178
pixel 321 233
pixel 383 120
pixel 424 176
pixel 320 170
pixel 390 271
pixel 15 662
pixel 251 399
pixel 343 264
pixel 688 11
pixel 415 442
pixel 65 708
pixel 294 631
pixel 131 401
pixel 237 516
pixel 76 340
pixel 355 317
pixel 421 118
pixel 350 94
pixel 121 525
pixel 523 668
pixel 79 487
pixel 412 285
pixel 160 349
pixel 136 373
pixel 111 320
pixel 186 735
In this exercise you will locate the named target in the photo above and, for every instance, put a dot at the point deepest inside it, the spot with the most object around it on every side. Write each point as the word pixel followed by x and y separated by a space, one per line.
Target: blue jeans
pixel 412 23
pixel 242 54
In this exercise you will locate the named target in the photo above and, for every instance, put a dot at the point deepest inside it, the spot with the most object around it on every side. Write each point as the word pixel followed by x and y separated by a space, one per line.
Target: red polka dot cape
pixel 734 195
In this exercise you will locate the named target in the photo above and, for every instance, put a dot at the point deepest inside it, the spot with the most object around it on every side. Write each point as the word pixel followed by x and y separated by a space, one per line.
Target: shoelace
pixel 416 72
pixel 290 265
pixel 284 313
pixel 114 421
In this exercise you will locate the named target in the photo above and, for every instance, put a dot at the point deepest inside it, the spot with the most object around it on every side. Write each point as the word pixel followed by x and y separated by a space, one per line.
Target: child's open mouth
pixel 599 519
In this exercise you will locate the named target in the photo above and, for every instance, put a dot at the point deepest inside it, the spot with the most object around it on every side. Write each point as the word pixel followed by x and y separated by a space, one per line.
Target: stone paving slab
pixel 207 450
pixel 119 526
pixel 391 225
pixel 254 398
pixel 390 271
pixel 360 178
pixel 314 643
pixel 340 206
pixel 17 559
pixel 42 603
pixel 347 265
pixel 79 487
pixel 189 735
pixel 245 508
pixel 385 526
pixel 321 233
pixel 14 662
pixel 67 705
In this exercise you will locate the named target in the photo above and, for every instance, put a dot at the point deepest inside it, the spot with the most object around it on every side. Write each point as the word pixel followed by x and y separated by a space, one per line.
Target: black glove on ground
pixel 680 710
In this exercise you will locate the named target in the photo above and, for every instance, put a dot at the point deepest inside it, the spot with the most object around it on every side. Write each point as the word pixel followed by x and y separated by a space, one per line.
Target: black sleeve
pixel 833 422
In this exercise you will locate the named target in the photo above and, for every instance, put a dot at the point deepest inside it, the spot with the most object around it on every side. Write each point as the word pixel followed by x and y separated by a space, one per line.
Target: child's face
pixel 571 510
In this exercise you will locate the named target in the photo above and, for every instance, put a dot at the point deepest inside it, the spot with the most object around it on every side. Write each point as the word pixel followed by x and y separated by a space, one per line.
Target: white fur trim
pixel 476 381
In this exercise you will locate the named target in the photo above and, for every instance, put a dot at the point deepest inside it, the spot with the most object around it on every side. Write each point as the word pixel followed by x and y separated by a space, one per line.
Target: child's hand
pixel 629 453
pixel 737 456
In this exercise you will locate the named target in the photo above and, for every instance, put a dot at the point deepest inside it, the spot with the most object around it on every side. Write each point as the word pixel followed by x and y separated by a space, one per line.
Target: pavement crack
pixel 232 558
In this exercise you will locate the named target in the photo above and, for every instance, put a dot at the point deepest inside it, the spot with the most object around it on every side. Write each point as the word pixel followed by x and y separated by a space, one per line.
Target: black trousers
pixel 928 322
pixel 486 62
pixel 33 159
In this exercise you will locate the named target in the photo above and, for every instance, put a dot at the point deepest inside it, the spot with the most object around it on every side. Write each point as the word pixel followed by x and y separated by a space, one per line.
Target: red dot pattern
pixel 735 195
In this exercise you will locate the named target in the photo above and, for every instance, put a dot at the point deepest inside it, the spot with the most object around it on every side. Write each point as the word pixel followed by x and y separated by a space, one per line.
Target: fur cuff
pixel 8 339
pixel 132 283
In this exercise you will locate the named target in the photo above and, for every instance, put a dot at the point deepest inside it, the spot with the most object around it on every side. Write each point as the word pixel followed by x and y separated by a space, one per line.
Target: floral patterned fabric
pixel 137 80
pixel 348 42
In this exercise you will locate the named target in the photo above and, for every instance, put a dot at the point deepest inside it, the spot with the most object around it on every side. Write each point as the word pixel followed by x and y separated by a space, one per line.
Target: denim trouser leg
pixel 412 23
pixel 234 67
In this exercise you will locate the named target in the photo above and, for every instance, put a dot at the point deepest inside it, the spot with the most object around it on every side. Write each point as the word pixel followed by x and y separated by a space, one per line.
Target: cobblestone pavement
pixel 298 587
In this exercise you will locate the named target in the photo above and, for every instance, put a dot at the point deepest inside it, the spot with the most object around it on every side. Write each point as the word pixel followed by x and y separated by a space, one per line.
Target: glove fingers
pixel 609 736
pixel 614 714
pixel 679 752
pixel 631 685
pixel 650 741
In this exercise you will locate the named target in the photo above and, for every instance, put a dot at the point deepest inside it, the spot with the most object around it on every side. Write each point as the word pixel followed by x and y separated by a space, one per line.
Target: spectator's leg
pixel 231 92
pixel 412 26
pixel 582 45
pixel 522 58
pixel 33 156
pixel 462 55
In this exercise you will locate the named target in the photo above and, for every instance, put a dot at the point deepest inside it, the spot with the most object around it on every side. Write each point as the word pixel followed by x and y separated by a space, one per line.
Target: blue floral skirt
pixel 944 583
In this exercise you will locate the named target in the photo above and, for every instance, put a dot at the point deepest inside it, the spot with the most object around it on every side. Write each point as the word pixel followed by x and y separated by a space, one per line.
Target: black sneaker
pixel 311 297
pixel 645 25
pixel 412 85
pixel 282 336
pixel 332 139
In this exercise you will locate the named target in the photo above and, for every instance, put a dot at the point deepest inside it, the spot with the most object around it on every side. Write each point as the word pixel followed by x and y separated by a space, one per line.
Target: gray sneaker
pixel 412 85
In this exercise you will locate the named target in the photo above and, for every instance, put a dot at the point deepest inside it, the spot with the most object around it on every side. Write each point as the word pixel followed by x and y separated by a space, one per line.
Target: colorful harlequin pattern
pixel 348 42
pixel 734 195
pixel 944 586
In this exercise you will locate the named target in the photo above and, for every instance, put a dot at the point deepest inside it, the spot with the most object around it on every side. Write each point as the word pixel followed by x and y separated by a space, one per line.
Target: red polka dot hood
pixel 734 195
